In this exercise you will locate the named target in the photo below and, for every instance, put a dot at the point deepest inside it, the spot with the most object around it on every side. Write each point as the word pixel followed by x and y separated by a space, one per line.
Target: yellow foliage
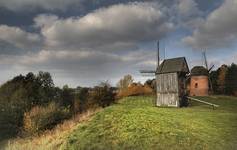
pixel 135 89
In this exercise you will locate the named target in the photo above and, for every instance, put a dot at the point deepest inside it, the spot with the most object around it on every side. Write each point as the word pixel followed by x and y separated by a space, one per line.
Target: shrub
pixel 134 90
pixel 10 120
pixel 40 118
pixel 102 96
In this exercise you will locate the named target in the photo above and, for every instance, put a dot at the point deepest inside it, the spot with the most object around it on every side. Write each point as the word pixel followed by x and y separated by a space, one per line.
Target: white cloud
pixel 218 30
pixel 19 38
pixel 17 5
pixel 121 24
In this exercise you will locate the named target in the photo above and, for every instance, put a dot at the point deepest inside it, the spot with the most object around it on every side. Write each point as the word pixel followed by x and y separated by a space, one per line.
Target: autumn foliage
pixel 135 89
pixel 40 118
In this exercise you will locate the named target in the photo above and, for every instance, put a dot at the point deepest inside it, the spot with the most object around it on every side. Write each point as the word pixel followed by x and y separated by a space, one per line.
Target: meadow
pixel 135 123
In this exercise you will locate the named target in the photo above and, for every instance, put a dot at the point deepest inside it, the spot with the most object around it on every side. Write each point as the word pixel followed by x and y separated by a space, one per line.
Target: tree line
pixel 32 102
pixel 224 80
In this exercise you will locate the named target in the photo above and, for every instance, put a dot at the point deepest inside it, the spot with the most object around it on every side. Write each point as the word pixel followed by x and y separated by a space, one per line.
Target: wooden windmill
pixel 170 80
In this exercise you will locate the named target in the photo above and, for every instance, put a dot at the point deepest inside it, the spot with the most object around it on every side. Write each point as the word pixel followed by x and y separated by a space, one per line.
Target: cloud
pixel 187 8
pixel 218 30
pixel 121 25
pixel 19 39
pixel 18 5
pixel 106 43
pixel 103 44
pixel 84 67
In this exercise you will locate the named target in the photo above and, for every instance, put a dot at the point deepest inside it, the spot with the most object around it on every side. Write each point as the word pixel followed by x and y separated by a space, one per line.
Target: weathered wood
pixel 167 89
pixel 195 99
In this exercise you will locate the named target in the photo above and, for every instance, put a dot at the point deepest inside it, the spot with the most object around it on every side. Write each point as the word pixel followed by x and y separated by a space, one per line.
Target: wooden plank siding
pixel 167 89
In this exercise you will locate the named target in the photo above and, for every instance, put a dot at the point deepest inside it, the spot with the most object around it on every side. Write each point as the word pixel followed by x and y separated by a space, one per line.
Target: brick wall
pixel 199 86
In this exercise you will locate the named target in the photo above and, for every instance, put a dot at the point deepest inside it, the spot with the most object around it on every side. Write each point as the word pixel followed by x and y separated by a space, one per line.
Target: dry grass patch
pixel 51 139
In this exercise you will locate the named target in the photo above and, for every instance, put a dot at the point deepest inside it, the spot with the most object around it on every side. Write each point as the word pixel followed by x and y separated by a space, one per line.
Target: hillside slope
pixel 134 123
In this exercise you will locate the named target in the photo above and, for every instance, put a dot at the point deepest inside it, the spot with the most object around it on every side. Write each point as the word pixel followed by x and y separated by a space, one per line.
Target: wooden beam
pixel 195 99
pixel 148 71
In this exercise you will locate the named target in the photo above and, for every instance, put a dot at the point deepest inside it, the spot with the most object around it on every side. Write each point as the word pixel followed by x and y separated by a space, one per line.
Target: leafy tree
pixel 214 81
pixel 231 80
pixel 222 71
pixel 81 99
pixel 67 97
pixel 224 80
pixel 45 87
pixel 19 95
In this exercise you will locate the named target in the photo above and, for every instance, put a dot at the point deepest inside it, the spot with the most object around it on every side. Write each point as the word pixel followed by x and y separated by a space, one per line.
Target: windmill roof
pixel 173 65
pixel 199 70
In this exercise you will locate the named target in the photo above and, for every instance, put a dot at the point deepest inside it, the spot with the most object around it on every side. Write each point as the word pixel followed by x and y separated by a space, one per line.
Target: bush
pixel 135 89
pixel 10 120
pixel 40 118
pixel 102 96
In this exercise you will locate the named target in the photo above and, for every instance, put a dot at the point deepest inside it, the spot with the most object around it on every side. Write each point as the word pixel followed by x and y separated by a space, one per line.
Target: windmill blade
pixel 148 75
pixel 158 54
pixel 211 68
pixel 205 59
pixel 148 71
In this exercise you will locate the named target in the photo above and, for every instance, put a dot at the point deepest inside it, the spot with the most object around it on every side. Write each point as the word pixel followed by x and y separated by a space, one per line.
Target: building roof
pixel 199 71
pixel 178 64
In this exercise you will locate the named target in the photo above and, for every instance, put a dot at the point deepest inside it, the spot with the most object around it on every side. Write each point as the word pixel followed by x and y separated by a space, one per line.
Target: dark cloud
pixel 19 5
pixel 119 25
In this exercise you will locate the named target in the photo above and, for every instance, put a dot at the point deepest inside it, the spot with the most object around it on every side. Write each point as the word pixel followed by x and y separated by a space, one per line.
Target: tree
pixel 231 80
pixel 102 95
pixel 214 80
pixel 224 80
pixel 20 94
pixel 222 71
pixel 81 98
pixel 67 97
pixel 125 82
pixel 45 87
pixel 151 83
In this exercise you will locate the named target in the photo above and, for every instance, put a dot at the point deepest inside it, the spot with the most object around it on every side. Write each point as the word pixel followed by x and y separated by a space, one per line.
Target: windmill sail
pixel 152 72
pixel 209 69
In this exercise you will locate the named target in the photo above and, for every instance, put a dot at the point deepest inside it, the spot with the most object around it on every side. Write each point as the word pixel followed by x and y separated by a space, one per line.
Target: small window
pixel 196 85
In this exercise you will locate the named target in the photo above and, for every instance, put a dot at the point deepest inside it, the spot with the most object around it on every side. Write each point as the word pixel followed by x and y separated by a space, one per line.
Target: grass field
pixel 134 123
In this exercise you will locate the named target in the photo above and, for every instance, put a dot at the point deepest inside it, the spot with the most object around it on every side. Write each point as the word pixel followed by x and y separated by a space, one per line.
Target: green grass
pixel 134 123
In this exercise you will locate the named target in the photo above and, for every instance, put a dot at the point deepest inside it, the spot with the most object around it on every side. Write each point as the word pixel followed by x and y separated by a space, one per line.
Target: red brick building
pixel 199 83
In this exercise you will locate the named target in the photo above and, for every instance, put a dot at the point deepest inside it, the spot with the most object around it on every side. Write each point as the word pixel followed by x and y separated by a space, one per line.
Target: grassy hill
pixel 134 123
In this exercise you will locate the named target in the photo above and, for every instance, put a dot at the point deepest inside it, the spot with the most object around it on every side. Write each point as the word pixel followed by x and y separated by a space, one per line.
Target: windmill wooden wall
pixel 167 90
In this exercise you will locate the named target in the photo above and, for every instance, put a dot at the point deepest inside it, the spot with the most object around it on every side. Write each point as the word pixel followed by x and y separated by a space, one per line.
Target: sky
pixel 85 42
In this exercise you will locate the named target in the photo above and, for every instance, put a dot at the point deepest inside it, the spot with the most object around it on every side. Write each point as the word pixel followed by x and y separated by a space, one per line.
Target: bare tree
pixel 125 82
